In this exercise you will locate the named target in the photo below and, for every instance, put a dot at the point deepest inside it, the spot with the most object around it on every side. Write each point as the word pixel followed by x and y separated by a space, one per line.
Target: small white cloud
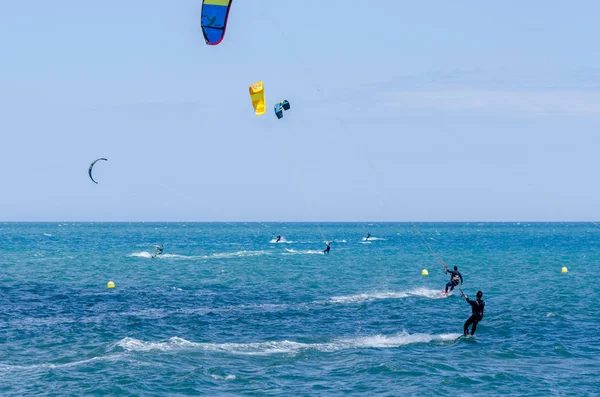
pixel 540 103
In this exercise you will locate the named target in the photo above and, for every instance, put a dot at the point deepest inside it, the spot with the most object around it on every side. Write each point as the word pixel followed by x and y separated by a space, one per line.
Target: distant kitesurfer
pixel 328 248
pixel 454 277
pixel 368 235
pixel 278 238
pixel 477 307
pixel 159 250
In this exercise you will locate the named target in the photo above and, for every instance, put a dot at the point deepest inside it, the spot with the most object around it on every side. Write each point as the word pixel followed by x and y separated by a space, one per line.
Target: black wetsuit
pixel 454 275
pixel 368 235
pixel 327 249
pixel 477 307
pixel 278 238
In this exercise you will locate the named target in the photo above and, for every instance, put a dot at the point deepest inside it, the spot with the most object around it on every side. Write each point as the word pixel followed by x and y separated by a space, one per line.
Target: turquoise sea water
pixel 225 311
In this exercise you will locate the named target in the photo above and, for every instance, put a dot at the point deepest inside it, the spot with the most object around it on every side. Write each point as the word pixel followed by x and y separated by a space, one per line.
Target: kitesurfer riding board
pixel 159 251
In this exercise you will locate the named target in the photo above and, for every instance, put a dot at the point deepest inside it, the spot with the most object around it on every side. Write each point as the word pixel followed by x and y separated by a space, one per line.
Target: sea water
pixel 227 311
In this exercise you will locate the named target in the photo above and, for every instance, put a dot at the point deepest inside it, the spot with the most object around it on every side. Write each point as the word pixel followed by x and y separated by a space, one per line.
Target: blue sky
pixel 401 111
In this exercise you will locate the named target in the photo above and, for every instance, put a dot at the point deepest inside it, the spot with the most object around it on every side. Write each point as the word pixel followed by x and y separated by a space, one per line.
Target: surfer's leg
pixel 474 327
pixel 466 327
pixel 448 285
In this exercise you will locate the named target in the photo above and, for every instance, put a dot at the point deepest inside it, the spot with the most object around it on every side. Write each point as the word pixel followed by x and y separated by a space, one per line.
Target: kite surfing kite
pixel 92 166
pixel 214 20
pixel 257 94
pixel 280 107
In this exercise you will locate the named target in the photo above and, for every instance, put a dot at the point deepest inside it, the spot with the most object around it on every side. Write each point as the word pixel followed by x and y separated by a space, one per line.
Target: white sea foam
pixel 142 254
pixel 400 339
pixel 218 255
pixel 304 252
pixel 220 377
pixel 368 297
pixel 42 366
pixel 47 235
pixel 373 239
pixel 371 296
pixel 427 293
pixel 287 347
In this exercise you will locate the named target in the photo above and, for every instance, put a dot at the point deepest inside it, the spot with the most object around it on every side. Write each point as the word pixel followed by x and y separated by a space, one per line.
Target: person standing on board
pixel 454 277
pixel 326 251
pixel 477 307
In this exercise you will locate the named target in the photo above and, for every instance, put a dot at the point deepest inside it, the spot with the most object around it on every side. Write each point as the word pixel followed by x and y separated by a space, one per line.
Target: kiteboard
pixel 443 294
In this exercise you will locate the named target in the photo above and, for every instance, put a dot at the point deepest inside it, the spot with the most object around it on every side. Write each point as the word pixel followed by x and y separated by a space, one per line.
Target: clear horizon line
pixel 406 222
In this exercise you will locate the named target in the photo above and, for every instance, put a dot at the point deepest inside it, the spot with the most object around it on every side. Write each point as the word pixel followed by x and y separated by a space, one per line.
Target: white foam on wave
pixel 303 252
pixel 287 347
pixel 373 239
pixel 400 339
pixel 42 366
pixel 368 297
pixel 47 235
pixel 220 377
pixel 427 293
pixel 218 255
pixel 422 292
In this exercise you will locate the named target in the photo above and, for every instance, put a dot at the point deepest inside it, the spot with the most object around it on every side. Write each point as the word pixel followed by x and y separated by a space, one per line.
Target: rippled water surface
pixel 227 311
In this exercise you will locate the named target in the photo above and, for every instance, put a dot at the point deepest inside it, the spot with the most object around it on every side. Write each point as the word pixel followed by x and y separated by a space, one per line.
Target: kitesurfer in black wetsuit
pixel 278 238
pixel 326 251
pixel 368 235
pixel 454 277
pixel 477 307
pixel 159 250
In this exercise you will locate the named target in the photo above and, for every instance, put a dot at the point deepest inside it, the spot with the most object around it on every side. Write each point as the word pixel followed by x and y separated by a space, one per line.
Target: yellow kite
pixel 257 94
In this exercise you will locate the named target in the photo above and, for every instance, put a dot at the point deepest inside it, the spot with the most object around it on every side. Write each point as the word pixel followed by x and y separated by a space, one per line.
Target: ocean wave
pixel 223 377
pixel 218 255
pixel 286 347
pixel 422 292
pixel 373 239
pixel 41 366
pixel 142 254
pixel 400 339
pixel 304 252
pixel 368 297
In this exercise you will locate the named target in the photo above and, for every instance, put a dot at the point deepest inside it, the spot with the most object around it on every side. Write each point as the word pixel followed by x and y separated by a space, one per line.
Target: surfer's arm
pixel 461 280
